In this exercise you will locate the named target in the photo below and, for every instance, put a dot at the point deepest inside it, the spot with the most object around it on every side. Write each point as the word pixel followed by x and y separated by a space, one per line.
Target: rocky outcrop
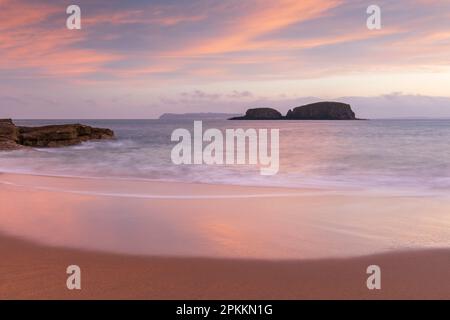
pixel 61 135
pixel 9 135
pixel 322 111
pixel 314 111
pixel 12 137
pixel 260 114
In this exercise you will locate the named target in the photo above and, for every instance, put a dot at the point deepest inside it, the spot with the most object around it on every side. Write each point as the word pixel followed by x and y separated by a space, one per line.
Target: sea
pixel 397 173
pixel 378 155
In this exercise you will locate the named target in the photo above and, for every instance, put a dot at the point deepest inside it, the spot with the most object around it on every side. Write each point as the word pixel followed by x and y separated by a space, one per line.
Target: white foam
pixel 159 196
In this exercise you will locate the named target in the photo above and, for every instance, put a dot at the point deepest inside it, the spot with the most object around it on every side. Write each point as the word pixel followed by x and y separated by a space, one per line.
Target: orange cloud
pixel 265 18
pixel 246 29
pixel 142 16
pixel 16 14
pixel 26 43
pixel 329 40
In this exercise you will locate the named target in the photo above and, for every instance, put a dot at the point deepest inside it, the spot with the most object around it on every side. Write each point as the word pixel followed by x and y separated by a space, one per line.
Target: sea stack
pixel 13 137
pixel 322 111
pixel 315 111
pixel 260 114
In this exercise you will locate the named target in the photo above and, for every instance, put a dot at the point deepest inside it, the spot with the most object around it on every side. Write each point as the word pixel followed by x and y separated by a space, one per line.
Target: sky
pixel 139 59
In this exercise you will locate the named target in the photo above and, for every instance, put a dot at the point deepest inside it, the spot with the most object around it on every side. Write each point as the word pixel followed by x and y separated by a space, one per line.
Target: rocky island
pixel 260 114
pixel 314 111
pixel 13 137
pixel 322 111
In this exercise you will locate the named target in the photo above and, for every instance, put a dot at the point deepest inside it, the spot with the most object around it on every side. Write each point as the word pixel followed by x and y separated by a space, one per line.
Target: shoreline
pixel 159 218
pixel 310 245
pixel 292 190
pixel 32 271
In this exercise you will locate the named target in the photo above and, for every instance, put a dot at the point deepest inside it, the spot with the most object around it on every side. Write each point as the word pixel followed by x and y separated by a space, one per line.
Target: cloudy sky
pixel 138 59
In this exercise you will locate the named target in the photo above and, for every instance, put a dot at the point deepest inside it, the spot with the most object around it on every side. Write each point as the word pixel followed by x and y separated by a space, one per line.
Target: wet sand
pixel 182 241
pixel 30 271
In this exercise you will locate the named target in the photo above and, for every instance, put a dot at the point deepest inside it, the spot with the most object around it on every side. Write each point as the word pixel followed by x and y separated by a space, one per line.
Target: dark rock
pixel 61 135
pixel 8 130
pixel 322 111
pixel 12 137
pixel 315 111
pixel 9 135
pixel 260 114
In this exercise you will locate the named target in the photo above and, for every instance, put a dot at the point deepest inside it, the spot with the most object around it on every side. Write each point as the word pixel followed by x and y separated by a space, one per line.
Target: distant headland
pixel 315 111
pixel 197 116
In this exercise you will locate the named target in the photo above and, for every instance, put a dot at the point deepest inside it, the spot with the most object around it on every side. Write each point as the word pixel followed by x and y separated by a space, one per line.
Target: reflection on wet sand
pixel 304 226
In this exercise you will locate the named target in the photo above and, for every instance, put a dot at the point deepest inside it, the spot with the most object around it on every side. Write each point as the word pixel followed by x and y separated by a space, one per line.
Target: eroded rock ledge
pixel 13 137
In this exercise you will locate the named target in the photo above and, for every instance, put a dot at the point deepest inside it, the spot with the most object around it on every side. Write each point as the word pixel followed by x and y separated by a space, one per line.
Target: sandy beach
pixel 30 271
pixel 160 240
pixel 251 149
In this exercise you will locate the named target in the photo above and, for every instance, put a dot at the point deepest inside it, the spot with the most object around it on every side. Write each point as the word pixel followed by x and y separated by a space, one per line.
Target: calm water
pixel 376 154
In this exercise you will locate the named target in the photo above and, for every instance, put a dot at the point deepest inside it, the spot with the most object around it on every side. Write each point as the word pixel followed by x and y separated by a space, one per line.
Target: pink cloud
pixel 237 41
pixel 26 43
pixel 264 17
